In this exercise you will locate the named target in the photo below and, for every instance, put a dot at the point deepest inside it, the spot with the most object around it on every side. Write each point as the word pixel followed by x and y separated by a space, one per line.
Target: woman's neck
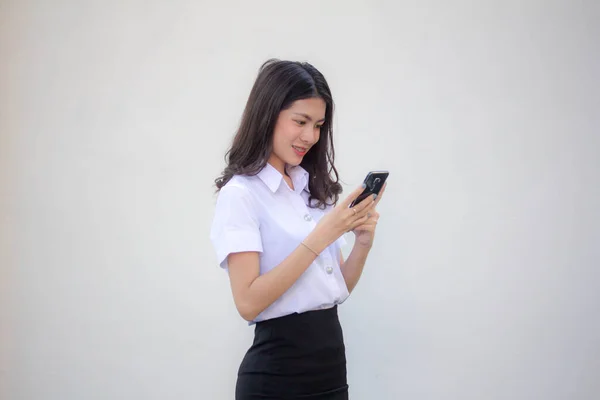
pixel 279 165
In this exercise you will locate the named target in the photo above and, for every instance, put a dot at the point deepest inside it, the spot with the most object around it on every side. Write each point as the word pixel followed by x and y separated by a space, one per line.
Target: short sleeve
pixel 235 227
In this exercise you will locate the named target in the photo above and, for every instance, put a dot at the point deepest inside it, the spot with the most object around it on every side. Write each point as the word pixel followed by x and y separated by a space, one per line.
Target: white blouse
pixel 261 213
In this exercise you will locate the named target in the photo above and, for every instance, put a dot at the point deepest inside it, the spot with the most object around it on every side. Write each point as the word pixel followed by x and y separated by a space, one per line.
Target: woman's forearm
pixel 352 268
pixel 266 288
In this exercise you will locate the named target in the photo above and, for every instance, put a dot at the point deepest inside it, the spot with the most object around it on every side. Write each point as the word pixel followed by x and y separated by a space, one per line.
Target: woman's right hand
pixel 340 220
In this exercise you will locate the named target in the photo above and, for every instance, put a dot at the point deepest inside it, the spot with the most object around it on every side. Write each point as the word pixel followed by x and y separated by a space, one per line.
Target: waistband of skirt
pixel 307 316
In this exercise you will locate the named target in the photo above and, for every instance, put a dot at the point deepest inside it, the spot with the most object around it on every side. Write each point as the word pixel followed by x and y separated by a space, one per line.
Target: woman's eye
pixel 318 126
pixel 301 122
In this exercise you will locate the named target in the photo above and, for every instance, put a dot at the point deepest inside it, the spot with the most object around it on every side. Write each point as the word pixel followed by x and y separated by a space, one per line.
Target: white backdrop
pixel 484 282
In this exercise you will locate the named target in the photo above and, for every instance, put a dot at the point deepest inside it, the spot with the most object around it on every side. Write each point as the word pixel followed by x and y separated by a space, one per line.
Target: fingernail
pixel 374 197
pixel 364 185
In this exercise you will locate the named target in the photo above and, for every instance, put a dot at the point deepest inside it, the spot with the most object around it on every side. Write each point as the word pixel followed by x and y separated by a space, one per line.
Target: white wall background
pixel 114 117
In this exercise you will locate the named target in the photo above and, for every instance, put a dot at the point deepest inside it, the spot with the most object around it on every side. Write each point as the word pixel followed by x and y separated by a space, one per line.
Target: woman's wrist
pixel 309 248
pixel 316 242
pixel 363 247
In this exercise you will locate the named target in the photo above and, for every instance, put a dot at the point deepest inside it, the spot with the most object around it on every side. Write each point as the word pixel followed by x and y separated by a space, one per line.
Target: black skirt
pixel 298 356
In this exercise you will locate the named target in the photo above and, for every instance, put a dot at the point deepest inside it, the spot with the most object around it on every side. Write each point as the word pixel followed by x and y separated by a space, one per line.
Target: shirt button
pixel 329 270
pixel 307 217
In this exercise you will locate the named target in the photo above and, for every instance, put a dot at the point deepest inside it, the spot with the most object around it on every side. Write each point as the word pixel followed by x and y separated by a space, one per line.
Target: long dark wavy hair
pixel 278 85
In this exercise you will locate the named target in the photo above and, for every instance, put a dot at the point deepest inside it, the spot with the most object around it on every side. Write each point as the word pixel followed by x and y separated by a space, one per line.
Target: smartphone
pixel 373 183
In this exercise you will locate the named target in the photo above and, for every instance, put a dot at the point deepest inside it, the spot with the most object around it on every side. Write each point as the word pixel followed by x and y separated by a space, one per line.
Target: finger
pixel 380 195
pixel 368 225
pixel 373 214
pixel 360 211
pixel 352 196
pixel 364 228
pixel 360 221
pixel 369 220
pixel 364 205
pixel 354 215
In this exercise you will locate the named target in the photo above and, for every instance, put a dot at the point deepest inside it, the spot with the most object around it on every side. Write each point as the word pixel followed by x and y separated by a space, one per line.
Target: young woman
pixel 278 228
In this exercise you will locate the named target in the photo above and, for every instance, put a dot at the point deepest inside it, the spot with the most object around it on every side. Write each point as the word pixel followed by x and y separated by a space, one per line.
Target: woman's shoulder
pixel 238 188
pixel 236 200
pixel 244 183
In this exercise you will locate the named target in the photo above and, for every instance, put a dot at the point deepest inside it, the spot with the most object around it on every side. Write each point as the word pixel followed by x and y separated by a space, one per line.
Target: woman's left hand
pixel 365 233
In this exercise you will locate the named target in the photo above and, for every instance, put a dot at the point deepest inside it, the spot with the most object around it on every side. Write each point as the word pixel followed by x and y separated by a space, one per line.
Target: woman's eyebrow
pixel 308 117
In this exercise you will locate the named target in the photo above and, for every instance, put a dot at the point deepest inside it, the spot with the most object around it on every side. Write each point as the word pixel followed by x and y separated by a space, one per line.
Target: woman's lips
pixel 300 151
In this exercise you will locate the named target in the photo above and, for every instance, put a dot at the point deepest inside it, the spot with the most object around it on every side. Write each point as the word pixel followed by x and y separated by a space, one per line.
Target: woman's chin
pixel 294 161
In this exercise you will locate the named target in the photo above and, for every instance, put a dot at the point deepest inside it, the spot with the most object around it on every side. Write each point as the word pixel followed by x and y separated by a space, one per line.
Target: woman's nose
pixel 310 135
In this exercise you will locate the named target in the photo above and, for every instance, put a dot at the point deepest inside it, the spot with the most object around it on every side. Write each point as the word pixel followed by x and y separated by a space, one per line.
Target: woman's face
pixel 296 131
